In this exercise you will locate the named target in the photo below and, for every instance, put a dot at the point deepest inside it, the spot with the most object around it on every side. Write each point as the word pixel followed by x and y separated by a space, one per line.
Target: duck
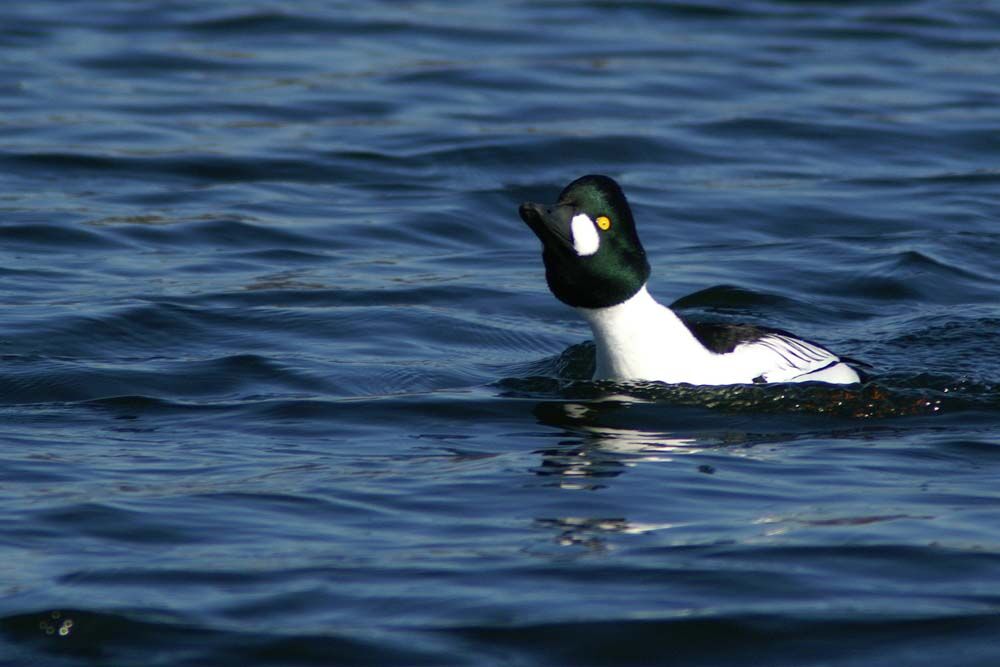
pixel 595 263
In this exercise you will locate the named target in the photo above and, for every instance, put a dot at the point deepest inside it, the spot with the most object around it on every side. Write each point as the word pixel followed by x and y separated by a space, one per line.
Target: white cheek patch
pixel 586 240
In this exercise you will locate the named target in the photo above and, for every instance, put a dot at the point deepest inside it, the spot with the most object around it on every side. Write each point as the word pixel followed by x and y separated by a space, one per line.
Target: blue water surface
pixel 281 382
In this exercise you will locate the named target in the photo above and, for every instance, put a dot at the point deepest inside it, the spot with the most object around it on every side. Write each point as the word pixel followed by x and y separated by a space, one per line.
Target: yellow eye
pixel 604 222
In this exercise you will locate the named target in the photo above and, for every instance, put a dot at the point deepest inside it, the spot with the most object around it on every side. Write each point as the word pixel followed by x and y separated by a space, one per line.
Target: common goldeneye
pixel 595 263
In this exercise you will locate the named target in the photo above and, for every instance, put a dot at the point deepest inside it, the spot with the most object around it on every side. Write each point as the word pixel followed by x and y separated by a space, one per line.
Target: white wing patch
pixel 794 360
pixel 586 240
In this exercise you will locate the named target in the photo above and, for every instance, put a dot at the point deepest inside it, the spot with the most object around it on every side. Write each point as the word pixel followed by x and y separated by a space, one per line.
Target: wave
pixel 80 636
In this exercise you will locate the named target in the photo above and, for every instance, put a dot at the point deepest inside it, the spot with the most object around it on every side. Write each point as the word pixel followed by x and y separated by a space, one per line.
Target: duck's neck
pixel 642 339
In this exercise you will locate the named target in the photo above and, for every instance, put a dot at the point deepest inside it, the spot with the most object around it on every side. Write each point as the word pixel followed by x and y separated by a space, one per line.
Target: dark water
pixel 281 382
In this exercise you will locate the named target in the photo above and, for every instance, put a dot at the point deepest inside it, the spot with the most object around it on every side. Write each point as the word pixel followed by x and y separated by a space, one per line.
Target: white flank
pixel 641 339
pixel 586 239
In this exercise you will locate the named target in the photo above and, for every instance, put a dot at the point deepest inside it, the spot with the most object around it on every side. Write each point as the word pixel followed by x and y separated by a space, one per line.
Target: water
pixel 281 382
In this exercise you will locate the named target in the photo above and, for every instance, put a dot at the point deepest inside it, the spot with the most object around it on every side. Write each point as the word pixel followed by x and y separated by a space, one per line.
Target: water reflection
pixel 599 447
pixel 591 533
pixel 602 446
pixel 607 436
